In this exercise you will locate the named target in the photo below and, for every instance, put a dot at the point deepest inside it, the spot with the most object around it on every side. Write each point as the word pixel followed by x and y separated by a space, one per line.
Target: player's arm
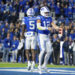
pixel 39 25
pixel 55 26
pixel 23 28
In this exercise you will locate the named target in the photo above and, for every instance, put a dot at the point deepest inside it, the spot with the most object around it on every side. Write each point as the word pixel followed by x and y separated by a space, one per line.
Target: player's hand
pixel 49 28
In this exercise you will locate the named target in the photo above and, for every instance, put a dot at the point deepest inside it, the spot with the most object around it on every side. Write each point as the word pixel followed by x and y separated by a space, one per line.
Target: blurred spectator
pixel 2 6
pixel 66 31
pixel 66 51
pixel 61 32
pixel 70 51
pixel 62 8
pixel 56 50
pixel 70 26
pixel 72 34
pixel 60 20
pixel 67 21
pixel 66 2
pixel 1 27
pixel 17 33
pixel 1 47
pixel 52 8
pixel 66 10
pixel 3 34
pixel 16 5
pixel 70 12
pixel 13 17
pixel 6 26
pixel 58 1
pixel 26 7
pixel 55 37
pixel 57 10
pixel 71 2
pixel 31 3
pixel 11 31
pixel 0 39
pixel 1 44
pixel 12 25
pixel 73 46
pixel 36 8
pixel 0 1
pixel 6 16
pixel 1 14
pixel 7 48
pixel 20 54
pixel 11 34
pixel 74 12
pixel 15 44
pixel 21 4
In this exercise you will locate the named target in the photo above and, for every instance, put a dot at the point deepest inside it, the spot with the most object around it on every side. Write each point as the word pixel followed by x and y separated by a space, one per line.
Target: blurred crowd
pixel 10 8
pixel 11 38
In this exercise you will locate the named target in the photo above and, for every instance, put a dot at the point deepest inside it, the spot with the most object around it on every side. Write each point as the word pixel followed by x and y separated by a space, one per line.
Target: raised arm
pixel 55 26
pixel 23 27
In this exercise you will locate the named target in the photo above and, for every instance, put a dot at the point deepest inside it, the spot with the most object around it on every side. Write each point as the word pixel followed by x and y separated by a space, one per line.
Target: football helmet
pixel 44 11
pixel 30 12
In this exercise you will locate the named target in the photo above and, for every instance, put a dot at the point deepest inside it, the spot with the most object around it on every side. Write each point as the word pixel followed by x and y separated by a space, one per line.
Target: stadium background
pixel 63 13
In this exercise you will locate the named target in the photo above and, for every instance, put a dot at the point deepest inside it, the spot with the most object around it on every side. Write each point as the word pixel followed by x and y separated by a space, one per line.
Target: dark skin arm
pixel 23 30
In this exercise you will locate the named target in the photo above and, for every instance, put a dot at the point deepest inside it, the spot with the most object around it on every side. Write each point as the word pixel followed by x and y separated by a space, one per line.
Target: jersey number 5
pixel 32 24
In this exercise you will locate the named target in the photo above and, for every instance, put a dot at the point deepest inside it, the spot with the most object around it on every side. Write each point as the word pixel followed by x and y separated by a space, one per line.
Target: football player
pixel 44 25
pixel 30 34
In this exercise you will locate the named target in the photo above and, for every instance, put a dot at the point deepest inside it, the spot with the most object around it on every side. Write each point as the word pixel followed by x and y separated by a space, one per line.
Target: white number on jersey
pixel 46 23
pixel 32 24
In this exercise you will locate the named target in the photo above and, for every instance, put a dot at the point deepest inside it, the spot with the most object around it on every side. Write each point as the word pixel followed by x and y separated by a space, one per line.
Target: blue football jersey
pixel 45 22
pixel 30 23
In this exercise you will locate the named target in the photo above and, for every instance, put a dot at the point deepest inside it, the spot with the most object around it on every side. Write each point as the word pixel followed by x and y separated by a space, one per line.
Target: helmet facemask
pixel 47 14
